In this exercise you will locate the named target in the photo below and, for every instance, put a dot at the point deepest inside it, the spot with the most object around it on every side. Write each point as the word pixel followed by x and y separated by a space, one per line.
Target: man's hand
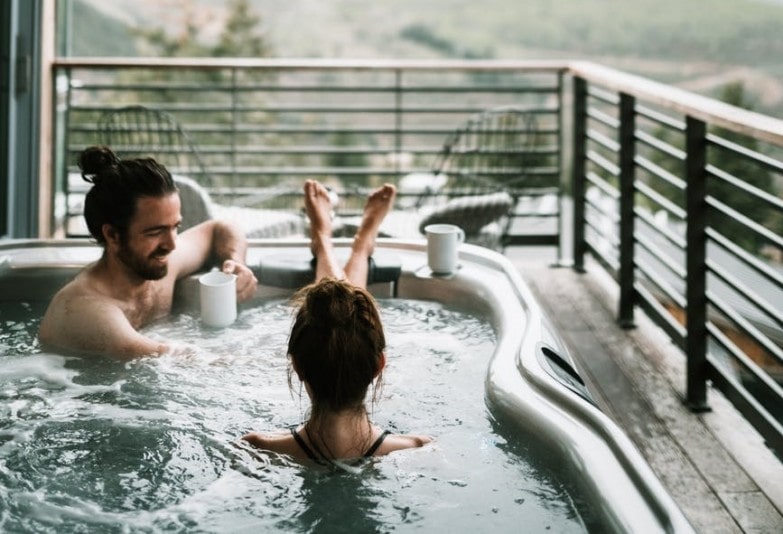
pixel 246 280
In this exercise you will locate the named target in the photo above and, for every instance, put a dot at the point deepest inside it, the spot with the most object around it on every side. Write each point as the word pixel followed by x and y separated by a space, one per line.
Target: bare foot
pixel 378 205
pixel 319 209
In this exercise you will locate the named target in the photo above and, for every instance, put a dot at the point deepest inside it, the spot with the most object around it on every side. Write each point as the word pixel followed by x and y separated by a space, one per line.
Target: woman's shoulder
pixel 281 441
pixel 396 442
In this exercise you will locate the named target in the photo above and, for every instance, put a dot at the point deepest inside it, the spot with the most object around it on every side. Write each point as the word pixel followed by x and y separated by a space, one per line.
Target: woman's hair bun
pixel 331 302
pixel 95 160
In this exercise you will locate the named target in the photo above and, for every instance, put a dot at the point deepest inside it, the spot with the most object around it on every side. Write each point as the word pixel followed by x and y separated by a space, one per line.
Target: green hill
pixel 698 44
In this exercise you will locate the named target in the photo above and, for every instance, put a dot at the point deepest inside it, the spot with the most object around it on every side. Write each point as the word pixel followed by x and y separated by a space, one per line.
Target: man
pixel 133 212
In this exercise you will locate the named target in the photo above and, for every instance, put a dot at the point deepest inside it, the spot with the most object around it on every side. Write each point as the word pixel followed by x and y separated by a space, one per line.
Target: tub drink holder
pixel 295 269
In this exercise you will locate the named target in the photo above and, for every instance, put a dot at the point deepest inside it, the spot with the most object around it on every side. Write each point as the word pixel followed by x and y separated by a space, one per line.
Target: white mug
pixel 443 242
pixel 218 292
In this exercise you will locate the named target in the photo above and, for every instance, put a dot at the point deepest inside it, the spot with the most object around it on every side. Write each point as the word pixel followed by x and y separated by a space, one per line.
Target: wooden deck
pixel 714 464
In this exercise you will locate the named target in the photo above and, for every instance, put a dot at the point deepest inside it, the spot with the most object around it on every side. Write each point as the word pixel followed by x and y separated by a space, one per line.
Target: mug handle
pixel 461 236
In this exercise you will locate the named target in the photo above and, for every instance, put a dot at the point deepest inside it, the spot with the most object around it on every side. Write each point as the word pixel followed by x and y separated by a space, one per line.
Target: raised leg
pixel 318 208
pixel 378 205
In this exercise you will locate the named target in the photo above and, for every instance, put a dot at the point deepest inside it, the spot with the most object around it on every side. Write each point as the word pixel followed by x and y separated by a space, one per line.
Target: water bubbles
pixel 153 444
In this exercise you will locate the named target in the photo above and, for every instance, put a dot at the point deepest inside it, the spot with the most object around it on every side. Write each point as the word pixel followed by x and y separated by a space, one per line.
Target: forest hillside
pixel 699 45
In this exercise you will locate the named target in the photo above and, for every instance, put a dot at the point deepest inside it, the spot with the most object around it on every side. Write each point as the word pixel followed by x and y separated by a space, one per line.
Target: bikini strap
pixel 374 446
pixel 301 442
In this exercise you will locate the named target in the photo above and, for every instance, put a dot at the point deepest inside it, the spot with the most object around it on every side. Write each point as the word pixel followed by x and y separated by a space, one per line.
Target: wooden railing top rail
pixel 707 109
pixel 760 126
pixel 312 64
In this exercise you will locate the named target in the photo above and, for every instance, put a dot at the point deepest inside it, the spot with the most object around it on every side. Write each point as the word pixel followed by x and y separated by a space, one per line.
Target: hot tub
pixel 535 403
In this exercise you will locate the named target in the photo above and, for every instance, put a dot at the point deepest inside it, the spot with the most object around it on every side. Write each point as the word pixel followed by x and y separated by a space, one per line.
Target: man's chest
pixel 148 306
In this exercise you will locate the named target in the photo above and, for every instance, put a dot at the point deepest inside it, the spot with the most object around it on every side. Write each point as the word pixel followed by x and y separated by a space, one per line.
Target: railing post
pixel 63 140
pixel 397 122
pixel 578 171
pixel 560 128
pixel 234 128
pixel 696 268
pixel 626 274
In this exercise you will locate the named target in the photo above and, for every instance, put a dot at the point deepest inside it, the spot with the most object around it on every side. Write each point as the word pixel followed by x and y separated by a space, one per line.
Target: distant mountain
pixel 94 32
pixel 700 44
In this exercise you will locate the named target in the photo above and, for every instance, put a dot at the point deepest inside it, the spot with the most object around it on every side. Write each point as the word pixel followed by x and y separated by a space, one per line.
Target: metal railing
pixel 264 126
pixel 677 195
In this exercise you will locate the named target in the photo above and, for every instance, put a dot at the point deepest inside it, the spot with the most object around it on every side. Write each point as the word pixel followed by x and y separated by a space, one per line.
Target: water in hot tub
pixel 151 445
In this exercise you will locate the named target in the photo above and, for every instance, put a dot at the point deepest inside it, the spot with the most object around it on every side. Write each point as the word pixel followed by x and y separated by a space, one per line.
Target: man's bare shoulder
pixel 76 304
pixel 83 318
pixel 79 291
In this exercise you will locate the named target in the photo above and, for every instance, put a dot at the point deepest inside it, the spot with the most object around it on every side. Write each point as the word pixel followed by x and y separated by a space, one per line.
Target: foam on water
pixel 152 444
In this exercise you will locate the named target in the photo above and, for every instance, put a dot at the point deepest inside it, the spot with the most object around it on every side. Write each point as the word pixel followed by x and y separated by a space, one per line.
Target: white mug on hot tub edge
pixel 443 242
pixel 218 294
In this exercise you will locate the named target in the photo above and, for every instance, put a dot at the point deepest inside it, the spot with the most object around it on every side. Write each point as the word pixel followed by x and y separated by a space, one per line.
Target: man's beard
pixel 142 266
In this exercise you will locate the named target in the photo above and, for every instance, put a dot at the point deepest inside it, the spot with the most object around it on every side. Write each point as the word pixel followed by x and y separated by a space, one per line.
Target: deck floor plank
pixel 716 469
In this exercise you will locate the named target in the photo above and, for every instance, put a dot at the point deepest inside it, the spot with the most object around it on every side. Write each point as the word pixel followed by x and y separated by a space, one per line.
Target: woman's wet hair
pixel 116 186
pixel 336 344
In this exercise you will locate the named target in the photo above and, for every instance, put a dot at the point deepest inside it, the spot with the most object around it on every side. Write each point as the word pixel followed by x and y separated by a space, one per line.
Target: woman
pixel 336 346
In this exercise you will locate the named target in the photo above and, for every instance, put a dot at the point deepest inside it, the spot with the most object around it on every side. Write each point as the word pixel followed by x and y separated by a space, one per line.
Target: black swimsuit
pixel 320 458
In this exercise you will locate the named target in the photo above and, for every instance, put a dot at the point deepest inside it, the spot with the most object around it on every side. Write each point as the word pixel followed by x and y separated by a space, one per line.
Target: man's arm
pixel 221 242
pixel 93 326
